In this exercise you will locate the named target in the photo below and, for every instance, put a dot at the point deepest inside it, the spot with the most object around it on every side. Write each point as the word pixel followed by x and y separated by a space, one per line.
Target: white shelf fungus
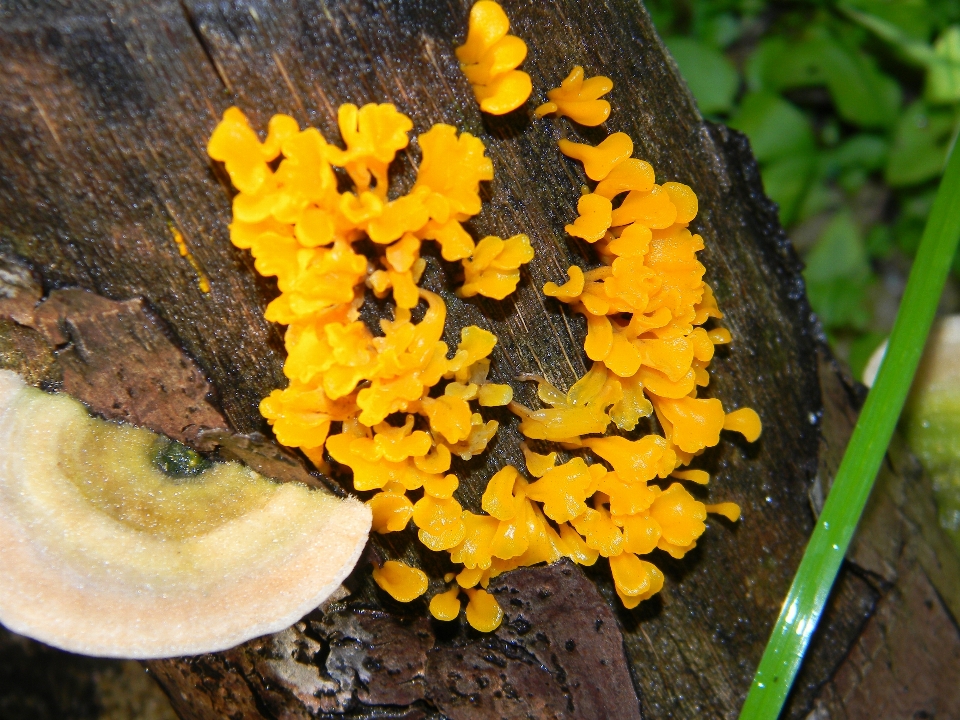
pixel 103 553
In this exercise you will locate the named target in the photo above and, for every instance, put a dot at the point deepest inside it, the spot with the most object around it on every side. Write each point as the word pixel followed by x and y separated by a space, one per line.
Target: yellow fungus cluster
pixel 578 98
pixel 645 308
pixel 489 58
pixel 301 228
pixel 394 408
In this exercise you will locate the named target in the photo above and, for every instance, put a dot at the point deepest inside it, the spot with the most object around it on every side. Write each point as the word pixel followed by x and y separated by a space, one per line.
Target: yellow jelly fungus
pixel 596 214
pixel 391 510
pixel 494 395
pixel 600 160
pixel 635 579
pixel 537 464
pixel 440 522
pixel 469 577
pixel 720 336
pixel 498 500
pixel 630 175
pixel 346 383
pixel 645 307
pixel 394 407
pixel 562 490
pixel 446 605
pixel 489 59
pixel 483 611
pixel 400 581
pixel 744 421
pixel 578 98
pixel 571 289
pixel 494 268
pixel 731 511
pixel 700 477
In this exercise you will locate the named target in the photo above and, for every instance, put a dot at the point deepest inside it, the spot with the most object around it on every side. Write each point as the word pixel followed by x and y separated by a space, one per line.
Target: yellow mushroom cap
pixel 403 582
pixel 103 554
pixel 446 605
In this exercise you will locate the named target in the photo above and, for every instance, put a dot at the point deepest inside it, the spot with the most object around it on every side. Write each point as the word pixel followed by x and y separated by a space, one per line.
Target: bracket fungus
pixel 115 542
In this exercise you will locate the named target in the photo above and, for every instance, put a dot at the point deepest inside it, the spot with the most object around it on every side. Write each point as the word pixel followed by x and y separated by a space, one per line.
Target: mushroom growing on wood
pixel 118 542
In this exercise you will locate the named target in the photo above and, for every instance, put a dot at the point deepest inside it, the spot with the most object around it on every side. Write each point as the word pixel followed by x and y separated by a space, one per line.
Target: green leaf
pixel 880 241
pixel 912 18
pixel 840 303
pixel 719 31
pixel 920 145
pixel 787 181
pixel 862 94
pixel 943 78
pixel 783 65
pixel 820 197
pixel 766 53
pixel 710 76
pixel 865 152
pixel 914 50
pixel 839 253
pixel 776 128
pixel 838 274
pixel 942 61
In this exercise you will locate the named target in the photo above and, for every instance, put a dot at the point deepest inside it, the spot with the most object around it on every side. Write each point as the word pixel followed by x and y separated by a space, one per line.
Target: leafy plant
pixel 851 108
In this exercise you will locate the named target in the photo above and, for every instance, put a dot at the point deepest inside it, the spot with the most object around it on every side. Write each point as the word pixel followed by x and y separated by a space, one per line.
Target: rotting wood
pixel 106 110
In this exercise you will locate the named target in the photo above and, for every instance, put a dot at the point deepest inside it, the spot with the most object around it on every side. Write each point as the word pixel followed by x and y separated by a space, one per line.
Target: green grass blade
pixel 861 461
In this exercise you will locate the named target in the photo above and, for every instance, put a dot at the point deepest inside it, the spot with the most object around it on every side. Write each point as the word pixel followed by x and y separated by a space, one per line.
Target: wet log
pixel 106 107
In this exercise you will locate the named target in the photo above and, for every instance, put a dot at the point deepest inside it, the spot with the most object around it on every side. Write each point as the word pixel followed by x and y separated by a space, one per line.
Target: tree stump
pixel 106 108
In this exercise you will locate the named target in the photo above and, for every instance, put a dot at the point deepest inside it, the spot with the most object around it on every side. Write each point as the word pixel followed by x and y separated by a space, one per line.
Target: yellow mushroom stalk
pixel 105 552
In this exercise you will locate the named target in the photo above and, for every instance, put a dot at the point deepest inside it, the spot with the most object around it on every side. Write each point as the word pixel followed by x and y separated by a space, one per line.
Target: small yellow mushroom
pixel 402 582
pixel 440 522
pixel 391 510
pixel 578 98
pixel 600 531
pixel 489 59
pixel 744 421
pixel 635 579
pixel 627 176
pixel 600 160
pixel 563 490
pixel 570 290
pixel 494 269
pixel 483 611
pixel 596 214
pixel 731 511
pixel 446 606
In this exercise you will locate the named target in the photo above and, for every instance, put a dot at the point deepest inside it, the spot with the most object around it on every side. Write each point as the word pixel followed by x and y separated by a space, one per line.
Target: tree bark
pixel 107 106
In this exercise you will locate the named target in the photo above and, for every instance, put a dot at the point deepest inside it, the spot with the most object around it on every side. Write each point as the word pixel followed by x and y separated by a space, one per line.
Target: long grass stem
pixel 837 522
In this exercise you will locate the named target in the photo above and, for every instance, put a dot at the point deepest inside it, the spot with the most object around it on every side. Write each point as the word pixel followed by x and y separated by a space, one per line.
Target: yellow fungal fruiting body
pixel 302 229
pixel 578 98
pixel 489 59
pixel 404 583
pixel 403 408
pixel 645 308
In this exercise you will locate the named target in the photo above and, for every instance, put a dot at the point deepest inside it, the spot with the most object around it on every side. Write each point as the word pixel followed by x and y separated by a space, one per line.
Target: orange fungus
pixel 393 407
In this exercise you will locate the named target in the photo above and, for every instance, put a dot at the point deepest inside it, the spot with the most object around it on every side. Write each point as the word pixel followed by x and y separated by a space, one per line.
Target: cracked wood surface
pixel 107 107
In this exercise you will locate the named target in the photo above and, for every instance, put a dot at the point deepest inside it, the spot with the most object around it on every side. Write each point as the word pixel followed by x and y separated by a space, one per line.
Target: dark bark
pixel 107 106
